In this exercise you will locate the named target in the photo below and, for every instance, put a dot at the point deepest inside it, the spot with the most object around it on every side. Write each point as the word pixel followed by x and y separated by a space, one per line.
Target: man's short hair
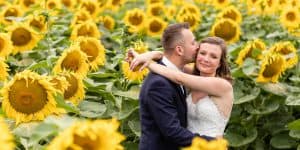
pixel 172 35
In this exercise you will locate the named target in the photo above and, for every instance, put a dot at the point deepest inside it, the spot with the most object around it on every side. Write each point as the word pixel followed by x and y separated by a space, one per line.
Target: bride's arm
pixel 211 85
pixel 144 58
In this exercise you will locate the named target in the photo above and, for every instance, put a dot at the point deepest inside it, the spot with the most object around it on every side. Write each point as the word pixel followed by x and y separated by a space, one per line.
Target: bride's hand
pixel 139 61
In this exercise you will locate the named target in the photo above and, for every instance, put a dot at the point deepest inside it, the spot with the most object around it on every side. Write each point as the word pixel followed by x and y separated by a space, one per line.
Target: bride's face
pixel 208 59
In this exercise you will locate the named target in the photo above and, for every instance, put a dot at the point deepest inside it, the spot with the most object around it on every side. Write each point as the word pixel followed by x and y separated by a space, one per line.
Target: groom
pixel 163 110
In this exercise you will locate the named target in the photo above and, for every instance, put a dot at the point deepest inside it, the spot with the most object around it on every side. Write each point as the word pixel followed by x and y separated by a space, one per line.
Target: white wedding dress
pixel 205 118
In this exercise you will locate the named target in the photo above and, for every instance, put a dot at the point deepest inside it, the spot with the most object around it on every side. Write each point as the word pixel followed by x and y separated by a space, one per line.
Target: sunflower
pixel 155 9
pixel 273 65
pixel 294 3
pixel 227 29
pixel 270 6
pixel 3 69
pixel 23 37
pixel 6 138
pixel 53 5
pixel 91 135
pixel 231 12
pixel 192 19
pixel 178 2
pixel 140 47
pixel 37 22
pixel 290 18
pixel 248 49
pixel 189 8
pixel 149 2
pixel 10 11
pixel 254 7
pixel 91 6
pixel 155 26
pixel 26 4
pixel 135 19
pixel 59 83
pixel 74 92
pixel 201 144
pixel 220 4
pixel 107 21
pixel 288 50
pixel 170 12
pixel 5 45
pixel 85 29
pixel 114 5
pixel 70 4
pixel 94 50
pixel 72 59
pixel 27 97
pixel 80 16
pixel 133 75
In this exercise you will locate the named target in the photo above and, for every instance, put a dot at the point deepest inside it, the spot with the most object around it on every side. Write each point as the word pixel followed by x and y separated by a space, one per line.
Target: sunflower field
pixel 65 83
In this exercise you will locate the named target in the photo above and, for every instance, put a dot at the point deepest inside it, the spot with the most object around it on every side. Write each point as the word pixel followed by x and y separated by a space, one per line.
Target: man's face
pixel 190 46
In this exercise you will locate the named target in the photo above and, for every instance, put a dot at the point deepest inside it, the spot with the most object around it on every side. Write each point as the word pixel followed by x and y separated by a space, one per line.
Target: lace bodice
pixel 205 118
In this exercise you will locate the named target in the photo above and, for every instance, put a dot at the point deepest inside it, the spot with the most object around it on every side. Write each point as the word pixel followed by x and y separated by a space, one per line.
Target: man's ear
pixel 179 50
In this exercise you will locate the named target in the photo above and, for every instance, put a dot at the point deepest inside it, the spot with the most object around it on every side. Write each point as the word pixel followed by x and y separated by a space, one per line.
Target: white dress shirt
pixel 170 65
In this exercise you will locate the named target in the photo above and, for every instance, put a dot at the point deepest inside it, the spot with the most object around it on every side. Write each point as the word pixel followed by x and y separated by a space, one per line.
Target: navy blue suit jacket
pixel 163 115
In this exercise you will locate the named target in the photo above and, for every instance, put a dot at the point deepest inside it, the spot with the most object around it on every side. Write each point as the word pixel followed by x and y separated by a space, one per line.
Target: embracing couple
pixel 178 101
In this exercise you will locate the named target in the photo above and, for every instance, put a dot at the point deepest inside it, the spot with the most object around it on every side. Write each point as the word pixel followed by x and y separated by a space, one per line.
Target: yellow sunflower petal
pixel 10 11
pixel 135 19
pixel 5 45
pixel 75 90
pixel 85 29
pixel 290 18
pixel 219 4
pixel 133 75
pixel 72 59
pixel 91 6
pixel 155 26
pixel 140 47
pixel 80 16
pixel 231 12
pixel 59 83
pixel 288 50
pixel 27 97
pixel 3 70
pixel 155 9
pixel 93 135
pixel 192 19
pixel 23 37
pixel 6 138
pixel 272 67
pixel 247 51
pixel 107 21
pixel 227 29
pixel 201 144
pixel 94 50
pixel 114 5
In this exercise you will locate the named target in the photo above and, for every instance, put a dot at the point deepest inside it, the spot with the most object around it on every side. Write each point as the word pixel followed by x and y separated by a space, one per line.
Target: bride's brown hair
pixel 223 70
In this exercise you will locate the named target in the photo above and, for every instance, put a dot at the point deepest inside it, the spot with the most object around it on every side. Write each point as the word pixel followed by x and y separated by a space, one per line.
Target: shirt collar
pixel 169 64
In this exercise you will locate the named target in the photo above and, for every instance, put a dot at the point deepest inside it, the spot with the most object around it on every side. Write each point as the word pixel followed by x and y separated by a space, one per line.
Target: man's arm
pixel 165 114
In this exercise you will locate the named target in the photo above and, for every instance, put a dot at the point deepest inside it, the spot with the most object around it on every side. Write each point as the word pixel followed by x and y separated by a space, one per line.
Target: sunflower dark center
pixel 90 49
pixel 27 97
pixel 71 62
pixel 136 19
pixel 21 36
pixel 155 26
pixel 291 16
pixel 72 88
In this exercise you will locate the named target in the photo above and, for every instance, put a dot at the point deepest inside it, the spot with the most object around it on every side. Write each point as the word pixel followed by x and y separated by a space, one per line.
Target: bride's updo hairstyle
pixel 223 71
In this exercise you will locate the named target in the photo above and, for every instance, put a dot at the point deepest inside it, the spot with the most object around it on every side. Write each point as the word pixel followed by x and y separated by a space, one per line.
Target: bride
pixel 210 96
